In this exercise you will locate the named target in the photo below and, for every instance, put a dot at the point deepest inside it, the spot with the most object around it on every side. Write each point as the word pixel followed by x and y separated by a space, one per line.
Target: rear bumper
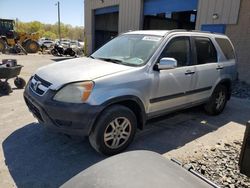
pixel 68 118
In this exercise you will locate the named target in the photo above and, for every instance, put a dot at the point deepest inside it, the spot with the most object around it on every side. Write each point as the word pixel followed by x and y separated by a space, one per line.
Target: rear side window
pixel 205 50
pixel 226 48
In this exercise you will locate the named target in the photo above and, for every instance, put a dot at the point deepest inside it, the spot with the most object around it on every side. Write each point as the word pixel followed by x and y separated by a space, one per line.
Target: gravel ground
pixel 241 90
pixel 220 165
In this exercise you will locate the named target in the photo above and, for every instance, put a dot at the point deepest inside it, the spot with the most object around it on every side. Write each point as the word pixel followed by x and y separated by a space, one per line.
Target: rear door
pixel 228 58
pixel 207 69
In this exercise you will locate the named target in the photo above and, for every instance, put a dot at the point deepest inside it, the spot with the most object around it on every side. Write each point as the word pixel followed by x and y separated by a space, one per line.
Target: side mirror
pixel 167 63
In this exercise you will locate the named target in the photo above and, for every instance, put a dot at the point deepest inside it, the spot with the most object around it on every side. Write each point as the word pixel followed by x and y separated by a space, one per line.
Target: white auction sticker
pixel 151 38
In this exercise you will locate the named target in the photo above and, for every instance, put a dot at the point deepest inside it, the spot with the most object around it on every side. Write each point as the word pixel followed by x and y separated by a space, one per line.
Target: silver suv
pixel 135 77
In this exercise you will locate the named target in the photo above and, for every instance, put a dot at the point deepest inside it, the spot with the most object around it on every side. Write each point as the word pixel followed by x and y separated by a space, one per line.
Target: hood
pixel 77 70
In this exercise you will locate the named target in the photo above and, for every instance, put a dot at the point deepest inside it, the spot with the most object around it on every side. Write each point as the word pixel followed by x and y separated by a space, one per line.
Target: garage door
pixel 170 14
pixel 106 25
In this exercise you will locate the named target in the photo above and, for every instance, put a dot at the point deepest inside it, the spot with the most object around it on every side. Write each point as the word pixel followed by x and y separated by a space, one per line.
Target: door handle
pixel 219 67
pixel 188 72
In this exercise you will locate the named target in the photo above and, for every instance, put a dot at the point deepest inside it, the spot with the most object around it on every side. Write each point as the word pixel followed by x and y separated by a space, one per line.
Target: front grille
pixel 39 85
pixel 34 110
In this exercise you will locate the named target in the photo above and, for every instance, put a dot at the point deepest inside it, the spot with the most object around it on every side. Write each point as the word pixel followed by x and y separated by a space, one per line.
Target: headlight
pixel 75 93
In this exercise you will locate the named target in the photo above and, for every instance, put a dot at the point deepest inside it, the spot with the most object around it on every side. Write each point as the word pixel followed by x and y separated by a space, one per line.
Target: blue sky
pixel 72 11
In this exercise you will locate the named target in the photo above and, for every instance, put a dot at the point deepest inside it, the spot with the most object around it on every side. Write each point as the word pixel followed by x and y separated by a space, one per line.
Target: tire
pixel 19 83
pixel 5 88
pixel 117 139
pixel 2 46
pixel 31 46
pixel 54 52
pixel 218 100
pixel 72 53
pixel 17 49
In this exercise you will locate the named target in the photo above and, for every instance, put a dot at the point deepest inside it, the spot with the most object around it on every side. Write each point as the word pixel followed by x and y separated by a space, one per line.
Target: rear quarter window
pixel 226 48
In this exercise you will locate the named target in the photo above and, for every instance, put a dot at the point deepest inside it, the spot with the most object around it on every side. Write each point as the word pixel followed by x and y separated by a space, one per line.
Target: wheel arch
pixel 228 83
pixel 131 102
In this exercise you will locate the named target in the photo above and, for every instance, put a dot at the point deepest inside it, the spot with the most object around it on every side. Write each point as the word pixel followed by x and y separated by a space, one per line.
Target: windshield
pixel 133 50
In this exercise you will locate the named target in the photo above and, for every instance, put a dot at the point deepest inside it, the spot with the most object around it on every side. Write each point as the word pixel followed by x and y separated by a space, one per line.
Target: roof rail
pixel 199 31
pixel 207 32
pixel 177 30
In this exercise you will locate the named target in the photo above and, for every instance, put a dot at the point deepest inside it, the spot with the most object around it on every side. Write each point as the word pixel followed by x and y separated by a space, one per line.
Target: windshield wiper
pixel 91 57
pixel 111 60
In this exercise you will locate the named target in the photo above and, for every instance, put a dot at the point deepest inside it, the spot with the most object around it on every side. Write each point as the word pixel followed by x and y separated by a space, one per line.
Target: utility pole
pixel 16 25
pixel 59 24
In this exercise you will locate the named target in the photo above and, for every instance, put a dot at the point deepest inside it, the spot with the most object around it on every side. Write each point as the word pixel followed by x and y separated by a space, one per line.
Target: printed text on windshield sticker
pixel 151 38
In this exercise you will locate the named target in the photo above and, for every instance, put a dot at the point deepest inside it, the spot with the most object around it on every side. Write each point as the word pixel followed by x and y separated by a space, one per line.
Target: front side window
pixel 128 49
pixel 179 49
pixel 205 50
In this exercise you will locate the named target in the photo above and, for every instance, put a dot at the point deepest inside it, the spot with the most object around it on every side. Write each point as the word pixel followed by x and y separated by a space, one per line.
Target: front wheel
pixel 114 130
pixel 31 46
pixel 218 101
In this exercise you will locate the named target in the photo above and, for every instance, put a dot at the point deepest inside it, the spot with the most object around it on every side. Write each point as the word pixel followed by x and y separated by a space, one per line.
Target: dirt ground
pixel 31 156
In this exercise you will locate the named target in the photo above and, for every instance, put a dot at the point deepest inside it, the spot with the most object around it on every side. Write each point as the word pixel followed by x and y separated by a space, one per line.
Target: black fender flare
pixel 127 101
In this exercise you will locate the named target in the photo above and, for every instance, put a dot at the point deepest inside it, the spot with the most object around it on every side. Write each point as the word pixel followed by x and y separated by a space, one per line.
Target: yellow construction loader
pixel 9 38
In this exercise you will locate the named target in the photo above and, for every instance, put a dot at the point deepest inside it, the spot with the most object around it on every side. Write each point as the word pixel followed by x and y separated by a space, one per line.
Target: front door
pixel 170 86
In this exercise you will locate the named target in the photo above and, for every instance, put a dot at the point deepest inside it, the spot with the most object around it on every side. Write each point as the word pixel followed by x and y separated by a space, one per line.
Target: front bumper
pixel 68 118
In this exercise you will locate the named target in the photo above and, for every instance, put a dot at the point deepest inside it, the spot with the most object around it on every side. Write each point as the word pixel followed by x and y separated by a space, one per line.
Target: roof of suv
pixel 165 32
pixel 150 32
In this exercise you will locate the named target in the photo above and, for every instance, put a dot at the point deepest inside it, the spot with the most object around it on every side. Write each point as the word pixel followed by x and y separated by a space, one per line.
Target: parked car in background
pixel 65 43
pixel 74 44
pixel 81 44
pixel 137 76
pixel 77 47
pixel 46 43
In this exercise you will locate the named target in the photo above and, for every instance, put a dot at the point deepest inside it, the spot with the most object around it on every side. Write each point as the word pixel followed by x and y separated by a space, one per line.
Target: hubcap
pixel 220 100
pixel 117 133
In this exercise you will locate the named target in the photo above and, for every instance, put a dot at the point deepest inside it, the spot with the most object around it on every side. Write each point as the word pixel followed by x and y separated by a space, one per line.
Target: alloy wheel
pixel 220 100
pixel 117 132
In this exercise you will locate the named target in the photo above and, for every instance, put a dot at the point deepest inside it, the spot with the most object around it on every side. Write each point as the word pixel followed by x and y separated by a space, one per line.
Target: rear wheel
pixel 114 130
pixel 217 101
pixel 72 53
pixel 2 45
pixel 19 83
pixel 54 52
pixel 31 46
